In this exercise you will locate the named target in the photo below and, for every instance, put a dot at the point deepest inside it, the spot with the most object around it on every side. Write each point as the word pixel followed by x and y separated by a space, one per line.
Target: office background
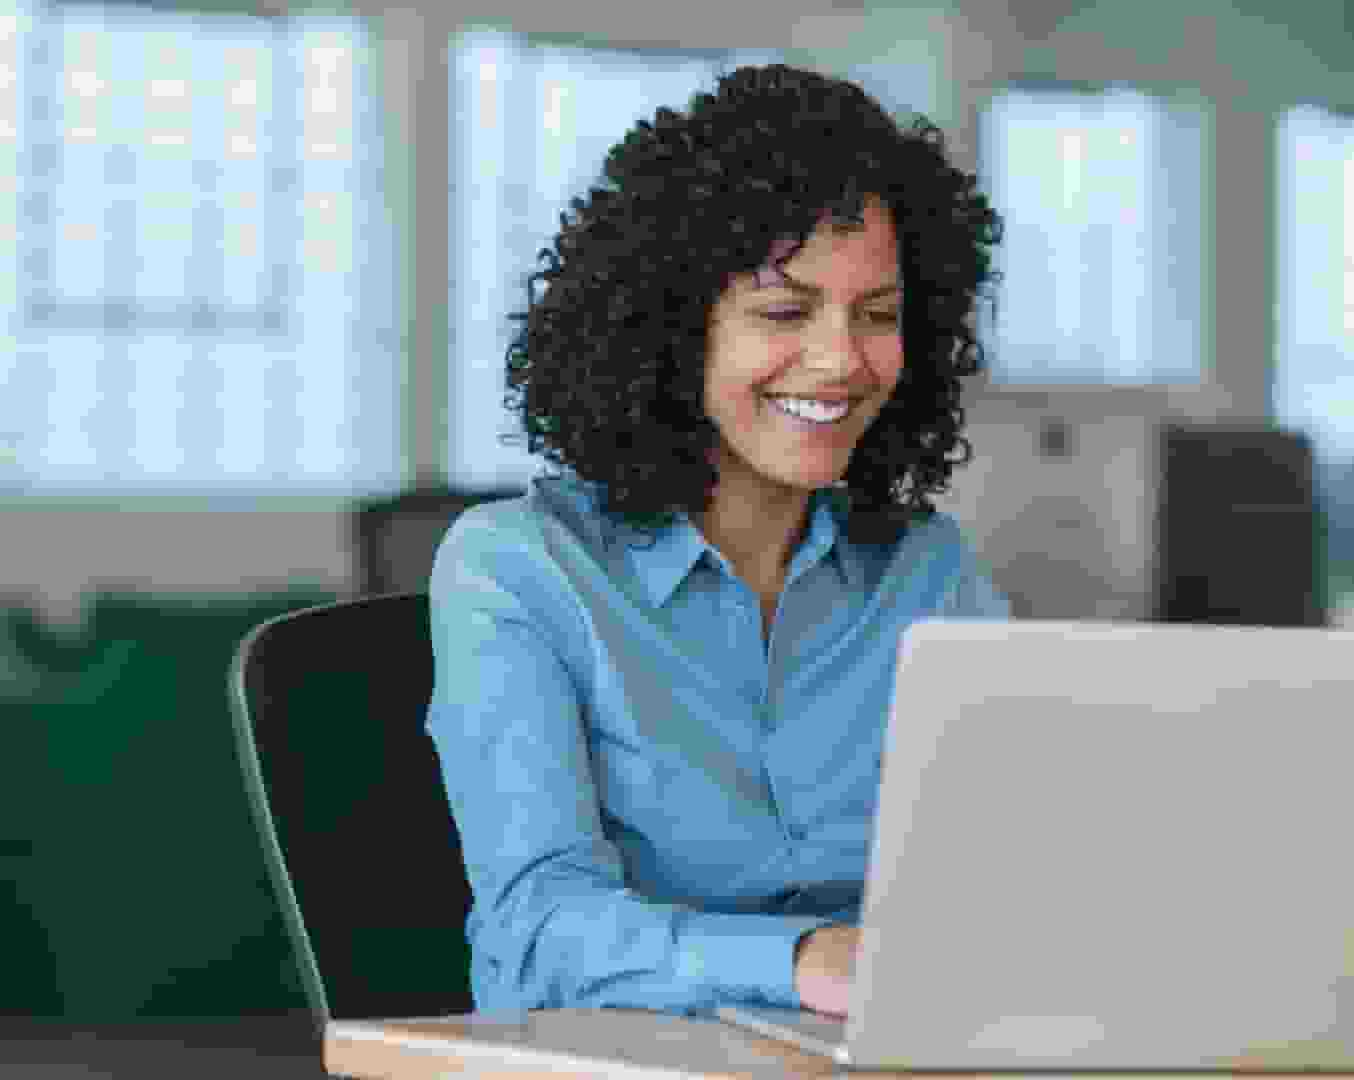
pixel 254 271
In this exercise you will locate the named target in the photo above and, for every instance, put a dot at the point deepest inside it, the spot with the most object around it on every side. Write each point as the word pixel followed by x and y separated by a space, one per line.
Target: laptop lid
pixel 1112 845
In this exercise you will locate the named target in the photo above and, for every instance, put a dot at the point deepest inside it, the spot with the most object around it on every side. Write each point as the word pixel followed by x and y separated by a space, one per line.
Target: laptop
pixel 1106 845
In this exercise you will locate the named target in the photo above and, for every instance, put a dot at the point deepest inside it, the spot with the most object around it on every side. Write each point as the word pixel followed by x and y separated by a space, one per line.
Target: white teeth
pixel 811 410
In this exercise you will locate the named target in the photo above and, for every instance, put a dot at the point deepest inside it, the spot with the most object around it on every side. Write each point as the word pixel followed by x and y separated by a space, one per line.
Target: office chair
pixel 346 788
pixel 396 537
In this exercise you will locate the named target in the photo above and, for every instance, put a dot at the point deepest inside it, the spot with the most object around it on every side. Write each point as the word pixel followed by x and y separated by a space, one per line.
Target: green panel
pixel 137 884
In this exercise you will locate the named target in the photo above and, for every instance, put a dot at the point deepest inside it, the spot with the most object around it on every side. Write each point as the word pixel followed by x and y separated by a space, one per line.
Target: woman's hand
pixel 825 965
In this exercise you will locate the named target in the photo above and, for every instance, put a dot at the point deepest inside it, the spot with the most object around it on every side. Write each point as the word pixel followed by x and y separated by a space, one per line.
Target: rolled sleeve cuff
pixel 747 958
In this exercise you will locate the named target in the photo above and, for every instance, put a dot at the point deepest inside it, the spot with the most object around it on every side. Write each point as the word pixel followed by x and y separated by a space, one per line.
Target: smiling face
pixel 827 327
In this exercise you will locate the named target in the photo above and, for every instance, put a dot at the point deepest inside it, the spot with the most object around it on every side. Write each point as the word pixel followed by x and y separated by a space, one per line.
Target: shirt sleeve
pixel 553 924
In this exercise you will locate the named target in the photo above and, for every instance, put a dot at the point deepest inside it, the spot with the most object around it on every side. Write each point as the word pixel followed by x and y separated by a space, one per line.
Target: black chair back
pixel 329 705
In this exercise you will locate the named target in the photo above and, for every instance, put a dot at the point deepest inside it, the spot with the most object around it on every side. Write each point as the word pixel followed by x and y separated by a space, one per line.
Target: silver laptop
pixel 1106 845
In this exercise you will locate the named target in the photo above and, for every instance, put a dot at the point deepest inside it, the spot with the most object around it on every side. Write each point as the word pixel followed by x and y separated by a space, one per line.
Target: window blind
pixel 1314 384
pixel 196 280
pixel 1100 194
pixel 1314 353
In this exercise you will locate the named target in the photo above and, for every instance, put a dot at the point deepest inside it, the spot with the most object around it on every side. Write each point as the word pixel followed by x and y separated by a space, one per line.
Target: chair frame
pixel 311 981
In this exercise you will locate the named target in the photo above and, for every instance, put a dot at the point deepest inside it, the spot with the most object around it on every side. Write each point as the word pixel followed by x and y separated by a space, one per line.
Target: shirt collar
pixel 663 562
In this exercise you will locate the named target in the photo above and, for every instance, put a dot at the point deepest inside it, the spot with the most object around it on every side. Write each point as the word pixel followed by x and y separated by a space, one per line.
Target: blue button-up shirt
pixel 654 803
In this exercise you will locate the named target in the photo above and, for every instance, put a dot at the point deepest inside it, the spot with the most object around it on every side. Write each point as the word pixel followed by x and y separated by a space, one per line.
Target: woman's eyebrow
pixel 782 280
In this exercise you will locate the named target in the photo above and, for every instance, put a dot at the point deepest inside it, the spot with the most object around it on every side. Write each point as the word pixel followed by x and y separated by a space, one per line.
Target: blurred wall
pixel 1251 59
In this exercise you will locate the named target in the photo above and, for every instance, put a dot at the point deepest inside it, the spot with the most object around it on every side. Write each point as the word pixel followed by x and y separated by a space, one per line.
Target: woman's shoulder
pixel 524 559
pixel 938 537
pixel 555 512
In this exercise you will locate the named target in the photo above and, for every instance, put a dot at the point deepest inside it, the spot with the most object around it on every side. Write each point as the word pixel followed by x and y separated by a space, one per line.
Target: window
pixel 1100 194
pixel 531 124
pixel 1314 353
pixel 195 278
pixel 1314 387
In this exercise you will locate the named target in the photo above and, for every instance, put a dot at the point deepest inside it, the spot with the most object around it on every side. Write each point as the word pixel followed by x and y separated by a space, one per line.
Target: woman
pixel 663 675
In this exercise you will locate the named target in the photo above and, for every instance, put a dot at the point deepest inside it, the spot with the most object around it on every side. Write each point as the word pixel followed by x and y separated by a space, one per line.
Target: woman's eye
pixel 783 315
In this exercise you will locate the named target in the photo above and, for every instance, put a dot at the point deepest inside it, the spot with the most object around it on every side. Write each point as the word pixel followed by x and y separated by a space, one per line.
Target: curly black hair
pixel 607 371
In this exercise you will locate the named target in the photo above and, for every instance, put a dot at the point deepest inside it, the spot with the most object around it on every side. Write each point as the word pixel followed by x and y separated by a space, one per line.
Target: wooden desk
pixel 561 1044
pixel 569 1044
